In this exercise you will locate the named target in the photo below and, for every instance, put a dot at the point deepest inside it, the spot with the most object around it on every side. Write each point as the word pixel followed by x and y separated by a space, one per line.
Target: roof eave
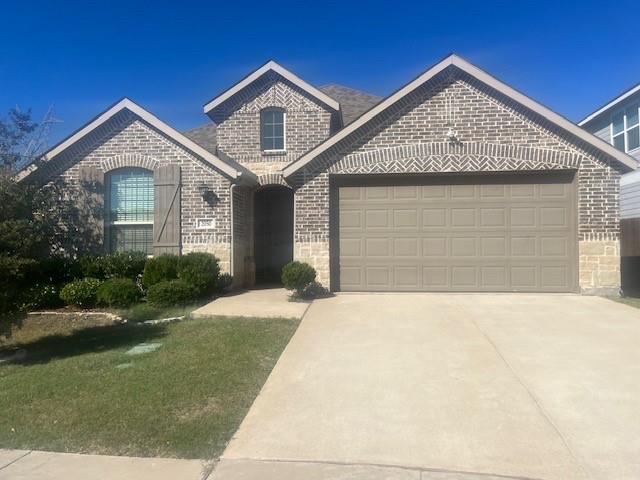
pixel 256 74
pixel 481 75
pixel 231 172
pixel 610 105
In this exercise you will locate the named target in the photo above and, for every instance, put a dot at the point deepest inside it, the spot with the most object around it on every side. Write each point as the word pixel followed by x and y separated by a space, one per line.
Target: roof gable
pixel 272 66
pixel 610 105
pixel 483 77
pixel 232 171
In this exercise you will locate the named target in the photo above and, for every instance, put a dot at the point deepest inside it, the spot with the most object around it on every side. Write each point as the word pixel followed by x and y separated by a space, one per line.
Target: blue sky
pixel 171 57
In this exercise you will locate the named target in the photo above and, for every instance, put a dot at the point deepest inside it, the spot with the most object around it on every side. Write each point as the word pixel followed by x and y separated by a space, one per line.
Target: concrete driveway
pixel 451 386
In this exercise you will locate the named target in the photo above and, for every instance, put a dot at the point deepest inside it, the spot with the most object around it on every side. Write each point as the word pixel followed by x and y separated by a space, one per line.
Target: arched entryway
pixel 273 232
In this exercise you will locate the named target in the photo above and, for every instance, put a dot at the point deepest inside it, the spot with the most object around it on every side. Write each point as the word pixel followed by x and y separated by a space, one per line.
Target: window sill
pixel 274 152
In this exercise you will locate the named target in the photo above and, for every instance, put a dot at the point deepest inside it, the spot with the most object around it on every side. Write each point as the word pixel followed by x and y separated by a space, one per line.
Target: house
pixel 618 122
pixel 454 182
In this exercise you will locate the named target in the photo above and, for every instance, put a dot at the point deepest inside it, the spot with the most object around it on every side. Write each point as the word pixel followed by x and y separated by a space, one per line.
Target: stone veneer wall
pixel 495 134
pixel 127 141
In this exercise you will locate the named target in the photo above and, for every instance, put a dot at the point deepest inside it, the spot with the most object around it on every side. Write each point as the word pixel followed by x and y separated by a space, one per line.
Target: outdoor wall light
pixel 208 195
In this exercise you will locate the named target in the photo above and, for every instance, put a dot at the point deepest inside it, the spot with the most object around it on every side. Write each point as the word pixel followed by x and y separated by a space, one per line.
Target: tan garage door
pixel 459 233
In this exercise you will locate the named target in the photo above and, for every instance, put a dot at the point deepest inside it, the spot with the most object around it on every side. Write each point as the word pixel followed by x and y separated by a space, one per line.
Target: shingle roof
pixel 205 136
pixel 353 103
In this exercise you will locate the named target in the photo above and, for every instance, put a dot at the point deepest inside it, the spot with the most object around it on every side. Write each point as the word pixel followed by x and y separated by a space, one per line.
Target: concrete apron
pixel 261 303
pixel 425 386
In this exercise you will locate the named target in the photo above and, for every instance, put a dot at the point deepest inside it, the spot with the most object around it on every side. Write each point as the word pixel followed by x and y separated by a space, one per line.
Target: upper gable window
pixel 272 125
pixel 625 128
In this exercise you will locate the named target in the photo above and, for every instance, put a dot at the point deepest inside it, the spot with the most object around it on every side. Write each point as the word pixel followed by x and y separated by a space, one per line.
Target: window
pixel 625 129
pixel 130 210
pixel 272 129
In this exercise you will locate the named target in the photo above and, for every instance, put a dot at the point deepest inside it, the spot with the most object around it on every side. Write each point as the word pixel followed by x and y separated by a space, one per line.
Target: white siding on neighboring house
pixel 630 195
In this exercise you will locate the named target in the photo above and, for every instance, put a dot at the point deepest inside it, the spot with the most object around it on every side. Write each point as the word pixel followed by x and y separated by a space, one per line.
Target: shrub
pixel 170 293
pixel 118 292
pixel 297 276
pixel 15 275
pixel 200 270
pixel 224 283
pixel 57 270
pixel 41 296
pixel 114 265
pixel 81 293
pixel 314 290
pixel 158 269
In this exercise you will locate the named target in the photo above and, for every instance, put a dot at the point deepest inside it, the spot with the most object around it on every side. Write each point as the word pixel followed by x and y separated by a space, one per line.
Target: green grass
pixel 185 400
pixel 143 311
pixel 631 301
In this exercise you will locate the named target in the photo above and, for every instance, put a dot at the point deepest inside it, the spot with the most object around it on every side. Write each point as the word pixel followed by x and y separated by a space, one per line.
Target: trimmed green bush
pixel 57 270
pixel 297 276
pixel 118 292
pixel 114 265
pixel 14 278
pixel 40 297
pixel 314 290
pixel 81 293
pixel 171 293
pixel 158 269
pixel 224 283
pixel 201 270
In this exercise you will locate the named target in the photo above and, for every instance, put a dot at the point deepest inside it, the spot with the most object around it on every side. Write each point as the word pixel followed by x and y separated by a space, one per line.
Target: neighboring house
pixel 618 122
pixel 455 182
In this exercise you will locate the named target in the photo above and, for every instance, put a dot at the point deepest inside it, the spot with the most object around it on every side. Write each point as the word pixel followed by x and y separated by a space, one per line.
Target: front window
pixel 625 129
pixel 272 129
pixel 130 210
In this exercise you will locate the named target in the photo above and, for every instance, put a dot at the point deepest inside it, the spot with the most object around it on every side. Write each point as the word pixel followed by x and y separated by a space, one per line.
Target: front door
pixel 273 232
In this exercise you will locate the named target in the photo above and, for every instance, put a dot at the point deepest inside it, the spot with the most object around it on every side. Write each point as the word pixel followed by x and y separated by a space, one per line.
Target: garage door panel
pixel 464 236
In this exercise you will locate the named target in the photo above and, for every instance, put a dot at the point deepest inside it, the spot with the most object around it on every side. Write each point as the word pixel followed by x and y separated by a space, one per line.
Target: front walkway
pixel 436 386
pixel 260 303
pixel 33 465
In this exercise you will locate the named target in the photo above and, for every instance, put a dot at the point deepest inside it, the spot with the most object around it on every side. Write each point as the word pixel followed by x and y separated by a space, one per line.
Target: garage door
pixel 458 233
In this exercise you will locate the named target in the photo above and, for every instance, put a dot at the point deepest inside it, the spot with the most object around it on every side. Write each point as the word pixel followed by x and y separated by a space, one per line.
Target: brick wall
pixel 126 141
pixel 308 122
pixel 494 134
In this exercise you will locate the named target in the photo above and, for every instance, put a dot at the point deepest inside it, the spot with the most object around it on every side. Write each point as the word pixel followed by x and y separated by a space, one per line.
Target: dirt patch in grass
pixel 33 328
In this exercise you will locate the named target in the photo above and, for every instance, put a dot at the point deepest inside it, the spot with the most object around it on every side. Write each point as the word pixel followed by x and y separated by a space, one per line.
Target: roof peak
pixel 272 66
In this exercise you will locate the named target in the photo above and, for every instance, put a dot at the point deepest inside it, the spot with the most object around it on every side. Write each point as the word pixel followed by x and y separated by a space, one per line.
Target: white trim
pixel 148 117
pixel 609 105
pixel 454 60
pixel 272 66
pixel 625 126
pixel 125 222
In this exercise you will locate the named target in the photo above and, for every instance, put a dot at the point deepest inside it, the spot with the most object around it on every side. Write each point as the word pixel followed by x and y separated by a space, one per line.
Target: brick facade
pixel 493 134
pixel 307 121
pixel 127 141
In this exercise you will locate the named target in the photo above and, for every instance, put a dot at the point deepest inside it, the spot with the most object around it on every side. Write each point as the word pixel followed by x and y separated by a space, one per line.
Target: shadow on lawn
pixel 88 340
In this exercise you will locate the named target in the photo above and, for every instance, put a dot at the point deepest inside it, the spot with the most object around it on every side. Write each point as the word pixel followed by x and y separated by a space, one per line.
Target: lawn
pixel 78 391
pixel 631 301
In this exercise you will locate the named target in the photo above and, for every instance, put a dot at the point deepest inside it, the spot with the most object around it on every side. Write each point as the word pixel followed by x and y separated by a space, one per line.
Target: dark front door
pixel 273 232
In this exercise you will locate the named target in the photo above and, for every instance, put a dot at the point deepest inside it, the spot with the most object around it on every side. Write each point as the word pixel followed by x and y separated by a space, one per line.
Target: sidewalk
pixel 261 303
pixel 32 465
